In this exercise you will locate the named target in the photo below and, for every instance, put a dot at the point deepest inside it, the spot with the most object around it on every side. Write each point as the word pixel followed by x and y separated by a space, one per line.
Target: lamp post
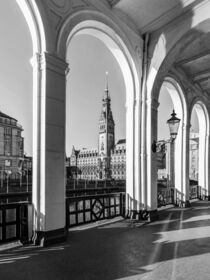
pixel 173 124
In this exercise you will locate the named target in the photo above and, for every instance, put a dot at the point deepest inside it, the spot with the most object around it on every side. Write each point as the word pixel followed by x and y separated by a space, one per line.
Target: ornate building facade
pixel 11 146
pixel 163 158
pixel 106 162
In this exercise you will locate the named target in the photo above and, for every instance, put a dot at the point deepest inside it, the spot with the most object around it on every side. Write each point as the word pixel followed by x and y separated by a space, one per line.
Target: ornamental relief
pixel 138 52
pixel 59 9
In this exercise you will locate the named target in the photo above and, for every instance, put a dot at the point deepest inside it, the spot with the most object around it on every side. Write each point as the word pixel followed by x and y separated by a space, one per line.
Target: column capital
pixel 50 61
pixel 153 103
pixel 186 126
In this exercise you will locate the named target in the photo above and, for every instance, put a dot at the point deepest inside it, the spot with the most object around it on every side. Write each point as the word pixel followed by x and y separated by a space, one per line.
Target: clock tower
pixel 106 133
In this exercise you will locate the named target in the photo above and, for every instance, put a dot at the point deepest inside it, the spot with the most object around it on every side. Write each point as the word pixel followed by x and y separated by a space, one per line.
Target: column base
pixel 145 215
pixel 153 216
pixel 45 238
pixel 187 204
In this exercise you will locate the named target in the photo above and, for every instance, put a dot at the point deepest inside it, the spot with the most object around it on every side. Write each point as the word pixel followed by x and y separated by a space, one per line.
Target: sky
pixel 89 59
pixel 15 68
pixel 164 113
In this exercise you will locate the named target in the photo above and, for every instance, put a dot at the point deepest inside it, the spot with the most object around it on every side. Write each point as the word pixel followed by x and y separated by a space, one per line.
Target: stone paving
pixel 177 246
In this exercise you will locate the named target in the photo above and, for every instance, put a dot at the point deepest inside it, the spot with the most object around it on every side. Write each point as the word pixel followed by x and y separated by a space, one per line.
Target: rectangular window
pixel 7 130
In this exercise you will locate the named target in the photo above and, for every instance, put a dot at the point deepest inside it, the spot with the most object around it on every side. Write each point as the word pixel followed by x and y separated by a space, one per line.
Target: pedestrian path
pixel 177 246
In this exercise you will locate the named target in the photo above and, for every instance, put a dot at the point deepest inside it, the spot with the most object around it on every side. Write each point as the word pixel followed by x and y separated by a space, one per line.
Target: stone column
pixel 185 163
pixel 137 148
pixel 151 187
pixel 49 112
pixel 207 165
pixel 130 142
pixel 171 164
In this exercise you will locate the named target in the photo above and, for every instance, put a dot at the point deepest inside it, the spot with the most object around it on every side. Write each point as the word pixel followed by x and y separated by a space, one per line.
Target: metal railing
pixel 15 197
pixel 174 196
pixel 94 184
pixel 165 197
pixel 198 192
pixel 93 191
pixel 87 209
pixel 14 222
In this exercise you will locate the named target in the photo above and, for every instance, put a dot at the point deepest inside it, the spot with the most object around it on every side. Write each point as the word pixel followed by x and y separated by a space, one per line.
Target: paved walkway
pixel 177 246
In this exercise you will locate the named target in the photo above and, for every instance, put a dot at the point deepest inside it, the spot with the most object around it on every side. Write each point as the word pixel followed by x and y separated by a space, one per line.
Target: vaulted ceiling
pixel 150 15
pixel 194 60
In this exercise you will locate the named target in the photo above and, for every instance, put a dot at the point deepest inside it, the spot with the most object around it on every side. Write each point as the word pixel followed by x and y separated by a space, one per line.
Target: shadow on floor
pixel 124 250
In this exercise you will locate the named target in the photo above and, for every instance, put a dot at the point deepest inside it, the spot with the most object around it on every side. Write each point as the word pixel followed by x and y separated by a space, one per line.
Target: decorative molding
pixel 59 9
pixel 202 74
pixel 54 63
pixel 153 103
pixel 193 58
pixel 172 15
pixel 138 52
pixel 113 3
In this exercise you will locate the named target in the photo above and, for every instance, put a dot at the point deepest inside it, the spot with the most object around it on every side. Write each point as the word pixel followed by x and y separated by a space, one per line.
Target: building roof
pixel 121 141
pixel 6 116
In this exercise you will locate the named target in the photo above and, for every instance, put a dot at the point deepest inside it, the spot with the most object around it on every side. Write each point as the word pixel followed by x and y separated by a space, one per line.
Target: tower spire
pixel 106 96
pixel 107 84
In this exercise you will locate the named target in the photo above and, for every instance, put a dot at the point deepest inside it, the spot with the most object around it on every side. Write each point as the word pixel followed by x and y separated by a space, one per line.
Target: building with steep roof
pixel 163 158
pixel 118 160
pixel 106 162
pixel 11 146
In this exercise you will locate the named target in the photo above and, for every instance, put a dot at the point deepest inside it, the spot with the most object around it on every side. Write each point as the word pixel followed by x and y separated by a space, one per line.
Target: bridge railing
pixel 165 197
pixel 93 191
pixel 87 209
pixel 14 222
pixel 94 184
pixel 15 197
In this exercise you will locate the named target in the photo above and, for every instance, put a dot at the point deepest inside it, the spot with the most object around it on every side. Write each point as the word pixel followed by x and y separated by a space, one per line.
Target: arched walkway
pixel 49 87
pixel 203 144
pixel 122 55
pixel 178 159
pixel 52 26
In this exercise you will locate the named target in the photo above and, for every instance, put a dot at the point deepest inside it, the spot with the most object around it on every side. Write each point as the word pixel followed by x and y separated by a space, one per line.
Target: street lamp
pixel 173 124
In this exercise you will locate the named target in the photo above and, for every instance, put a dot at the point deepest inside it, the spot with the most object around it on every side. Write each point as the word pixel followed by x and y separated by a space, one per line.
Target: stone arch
pixel 180 163
pixel 96 24
pixel 32 16
pixel 31 11
pixel 203 154
pixel 164 48
pixel 166 45
pixel 180 149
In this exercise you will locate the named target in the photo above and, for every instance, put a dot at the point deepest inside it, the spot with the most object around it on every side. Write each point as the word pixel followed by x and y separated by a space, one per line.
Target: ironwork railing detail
pixel 78 184
pixel 15 197
pixel 13 222
pixel 174 196
pixel 198 192
pixel 165 197
pixel 87 209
